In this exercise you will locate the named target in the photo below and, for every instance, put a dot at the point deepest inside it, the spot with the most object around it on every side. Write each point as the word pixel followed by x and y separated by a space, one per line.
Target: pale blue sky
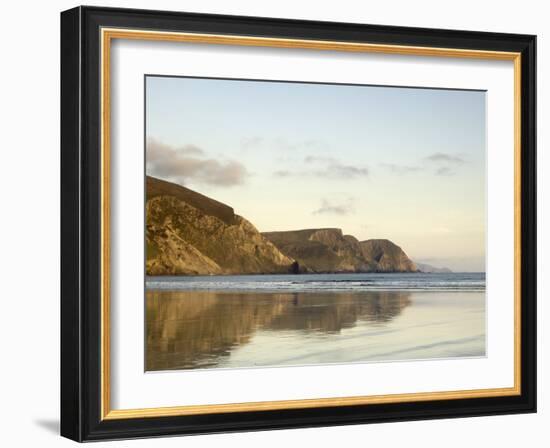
pixel 379 162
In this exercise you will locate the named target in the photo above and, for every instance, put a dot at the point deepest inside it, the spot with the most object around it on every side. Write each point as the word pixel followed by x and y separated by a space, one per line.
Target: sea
pixel 247 321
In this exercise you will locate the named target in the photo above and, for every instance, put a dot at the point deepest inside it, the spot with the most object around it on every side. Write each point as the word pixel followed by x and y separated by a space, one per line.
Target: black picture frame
pixel 81 224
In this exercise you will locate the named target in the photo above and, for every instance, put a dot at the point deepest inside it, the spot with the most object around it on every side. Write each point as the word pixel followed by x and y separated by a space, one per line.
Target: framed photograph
pixel 273 223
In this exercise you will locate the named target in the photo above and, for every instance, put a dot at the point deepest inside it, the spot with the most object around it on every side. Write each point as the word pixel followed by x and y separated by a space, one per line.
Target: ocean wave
pixel 327 282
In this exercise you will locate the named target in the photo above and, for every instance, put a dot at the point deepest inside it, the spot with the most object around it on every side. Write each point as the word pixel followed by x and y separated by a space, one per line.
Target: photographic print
pixel 294 223
pixel 251 201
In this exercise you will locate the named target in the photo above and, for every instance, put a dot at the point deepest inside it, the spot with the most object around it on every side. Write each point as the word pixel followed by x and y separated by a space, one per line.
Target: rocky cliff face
pixel 328 250
pixel 191 234
pixel 388 256
pixel 321 250
pixel 188 233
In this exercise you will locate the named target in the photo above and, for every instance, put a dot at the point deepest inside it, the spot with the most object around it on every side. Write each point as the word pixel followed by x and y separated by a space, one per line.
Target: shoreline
pixel 289 274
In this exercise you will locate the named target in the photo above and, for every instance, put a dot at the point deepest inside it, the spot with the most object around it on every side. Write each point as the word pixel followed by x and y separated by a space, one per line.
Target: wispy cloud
pixel 335 208
pixel 440 163
pixel 444 171
pixel 281 143
pixel 442 157
pixel 400 169
pixel 333 168
pixel 191 163
pixel 326 168
pixel 318 159
pixel 445 164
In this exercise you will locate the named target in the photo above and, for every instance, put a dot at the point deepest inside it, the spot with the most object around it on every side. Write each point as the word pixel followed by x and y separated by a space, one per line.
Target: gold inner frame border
pixel 107 35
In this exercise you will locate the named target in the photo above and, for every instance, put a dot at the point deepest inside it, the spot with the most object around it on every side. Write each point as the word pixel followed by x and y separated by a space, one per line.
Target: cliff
pixel 329 250
pixel 208 206
pixel 388 256
pixel 188 233
pixel 321 250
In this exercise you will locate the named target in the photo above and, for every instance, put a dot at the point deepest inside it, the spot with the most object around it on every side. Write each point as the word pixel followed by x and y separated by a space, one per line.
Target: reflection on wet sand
pixel 197 329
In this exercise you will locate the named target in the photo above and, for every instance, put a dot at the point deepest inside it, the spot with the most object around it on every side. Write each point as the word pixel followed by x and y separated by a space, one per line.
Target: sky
pixel 406 164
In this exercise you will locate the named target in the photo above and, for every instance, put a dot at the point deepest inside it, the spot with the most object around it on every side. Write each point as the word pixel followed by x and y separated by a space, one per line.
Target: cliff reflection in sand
pixel 198 329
